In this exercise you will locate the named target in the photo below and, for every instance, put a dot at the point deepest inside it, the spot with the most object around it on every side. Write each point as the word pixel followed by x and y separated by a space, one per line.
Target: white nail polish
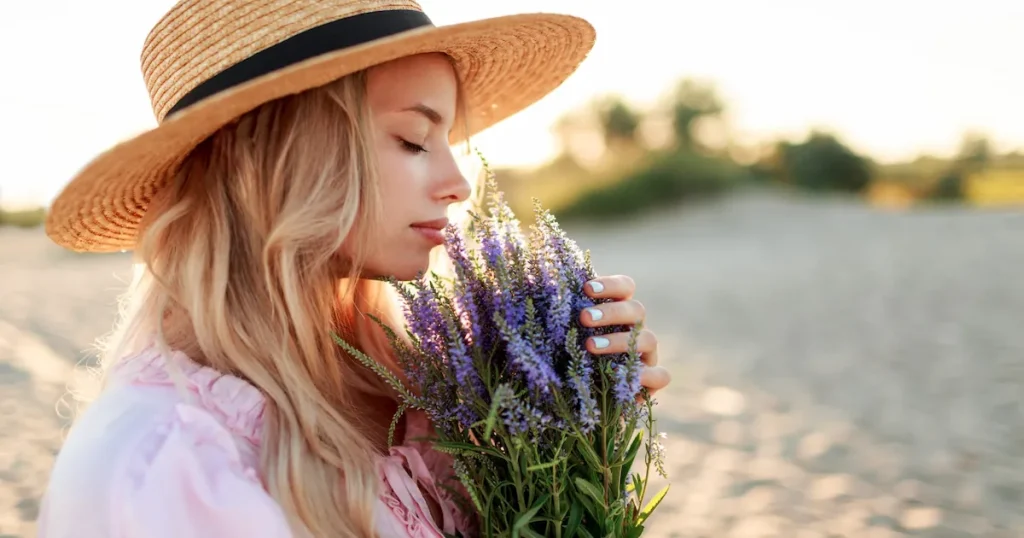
pixel 596 286
pixel 595 314
pixel 601 342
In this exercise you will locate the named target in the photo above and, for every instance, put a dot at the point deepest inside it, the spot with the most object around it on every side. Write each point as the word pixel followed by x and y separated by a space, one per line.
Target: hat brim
pixel 505 63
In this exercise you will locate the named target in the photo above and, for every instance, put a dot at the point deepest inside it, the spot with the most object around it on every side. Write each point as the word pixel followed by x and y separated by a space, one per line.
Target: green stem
pixel 649 442
pixel 514 452
pixel 604 461
pixel 557 495
pixel 604 455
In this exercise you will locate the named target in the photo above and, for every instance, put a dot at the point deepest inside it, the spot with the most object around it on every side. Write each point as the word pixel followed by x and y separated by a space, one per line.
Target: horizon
pixel 892 81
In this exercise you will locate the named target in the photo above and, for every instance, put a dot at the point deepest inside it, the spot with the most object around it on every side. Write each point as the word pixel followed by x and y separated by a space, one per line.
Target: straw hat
pixel 209 61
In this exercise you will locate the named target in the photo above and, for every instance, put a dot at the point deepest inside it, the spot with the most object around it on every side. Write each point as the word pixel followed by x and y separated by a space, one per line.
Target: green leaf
pixel 547 465
pixel 492 418
pixel 470 448
pixel 394 424
pixel 521 526
pixel 637 479
pixel 634 447
pixel 590 455
pixel 591 507
pixel 591 491
pixel 618 512
pixel 609 449
pixel 385 374
pixel 575 518
pixel 653 504
pixel 635 532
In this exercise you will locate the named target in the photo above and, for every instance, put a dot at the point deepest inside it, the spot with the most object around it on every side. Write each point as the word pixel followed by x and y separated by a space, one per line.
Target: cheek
pixel 398 184
pixel 389 178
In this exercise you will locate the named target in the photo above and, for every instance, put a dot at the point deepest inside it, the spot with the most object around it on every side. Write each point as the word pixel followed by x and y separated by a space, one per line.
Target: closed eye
pixel 413 148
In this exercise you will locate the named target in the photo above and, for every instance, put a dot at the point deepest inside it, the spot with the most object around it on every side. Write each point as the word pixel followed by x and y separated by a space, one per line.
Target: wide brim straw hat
pixel 207 62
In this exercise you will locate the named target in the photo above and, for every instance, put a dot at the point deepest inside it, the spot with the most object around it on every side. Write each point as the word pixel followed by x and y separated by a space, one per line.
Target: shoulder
pixel 140 462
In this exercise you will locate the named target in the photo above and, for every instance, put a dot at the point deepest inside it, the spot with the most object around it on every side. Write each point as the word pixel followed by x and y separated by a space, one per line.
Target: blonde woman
pixel 303 148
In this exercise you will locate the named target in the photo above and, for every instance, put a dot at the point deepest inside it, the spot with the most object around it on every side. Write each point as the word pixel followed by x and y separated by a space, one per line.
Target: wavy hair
pixel 237 267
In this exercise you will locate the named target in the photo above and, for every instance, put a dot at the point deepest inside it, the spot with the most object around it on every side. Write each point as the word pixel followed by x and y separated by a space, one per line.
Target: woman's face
pixel 412 104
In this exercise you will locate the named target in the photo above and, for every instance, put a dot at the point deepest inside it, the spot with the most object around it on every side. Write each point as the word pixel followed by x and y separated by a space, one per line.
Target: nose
pixel 452 187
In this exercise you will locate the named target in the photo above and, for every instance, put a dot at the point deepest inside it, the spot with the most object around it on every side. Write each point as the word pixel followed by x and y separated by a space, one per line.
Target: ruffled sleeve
pixel 411 473
pixel 188 479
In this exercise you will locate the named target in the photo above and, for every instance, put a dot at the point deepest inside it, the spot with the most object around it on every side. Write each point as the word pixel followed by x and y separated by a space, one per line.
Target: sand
pixel 838 370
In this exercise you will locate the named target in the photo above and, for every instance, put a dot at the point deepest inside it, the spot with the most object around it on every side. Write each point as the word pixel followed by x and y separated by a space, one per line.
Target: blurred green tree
pixel 664 180
pixel 690 101
pixel 975 151
pixel 974 156
pixel 951 186
pixel 823 163
pixel 618 121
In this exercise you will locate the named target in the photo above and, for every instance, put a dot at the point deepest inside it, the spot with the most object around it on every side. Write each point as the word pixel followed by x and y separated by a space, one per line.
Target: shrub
pixel 27 218
pixel 823 163
pixel 665 180
pixel 950 187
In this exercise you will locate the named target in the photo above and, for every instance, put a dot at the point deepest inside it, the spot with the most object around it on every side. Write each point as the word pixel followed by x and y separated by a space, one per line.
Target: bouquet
pixel 543 435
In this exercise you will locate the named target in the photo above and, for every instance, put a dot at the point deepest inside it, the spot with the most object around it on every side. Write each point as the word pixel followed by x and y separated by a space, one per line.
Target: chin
pixel 406 276
pixel 405 271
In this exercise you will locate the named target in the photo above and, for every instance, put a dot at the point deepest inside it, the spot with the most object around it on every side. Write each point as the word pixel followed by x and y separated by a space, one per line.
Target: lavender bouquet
pixel 543 435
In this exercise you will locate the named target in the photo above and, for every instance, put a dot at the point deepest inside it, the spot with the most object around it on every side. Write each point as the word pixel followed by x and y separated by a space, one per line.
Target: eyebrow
pixel 431 114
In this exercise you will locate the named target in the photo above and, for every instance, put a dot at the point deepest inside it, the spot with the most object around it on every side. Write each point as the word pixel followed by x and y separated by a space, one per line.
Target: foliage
pixel 27 218
pixel 951 186
pixel 823 163
pixel 618 121
pixel 665 180
pixel 690 101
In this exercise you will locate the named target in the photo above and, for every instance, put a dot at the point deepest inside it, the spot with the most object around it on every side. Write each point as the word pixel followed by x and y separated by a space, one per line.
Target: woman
pixel 303 150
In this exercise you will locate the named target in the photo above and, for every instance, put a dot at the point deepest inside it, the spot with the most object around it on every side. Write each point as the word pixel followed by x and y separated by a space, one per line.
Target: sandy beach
pixel 838 370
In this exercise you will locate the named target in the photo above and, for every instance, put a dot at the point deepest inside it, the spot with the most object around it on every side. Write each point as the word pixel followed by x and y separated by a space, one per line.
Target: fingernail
pixel 596 286
pixel 595 314
pixel 601 342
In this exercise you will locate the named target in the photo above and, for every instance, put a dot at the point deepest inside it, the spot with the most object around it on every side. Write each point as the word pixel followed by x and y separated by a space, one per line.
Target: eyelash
pixel 412 148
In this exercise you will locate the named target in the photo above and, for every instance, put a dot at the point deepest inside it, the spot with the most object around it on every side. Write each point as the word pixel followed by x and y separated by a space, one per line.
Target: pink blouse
pixel 148 460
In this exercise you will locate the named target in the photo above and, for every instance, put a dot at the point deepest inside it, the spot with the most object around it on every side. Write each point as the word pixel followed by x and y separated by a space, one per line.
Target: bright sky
pixel 892 77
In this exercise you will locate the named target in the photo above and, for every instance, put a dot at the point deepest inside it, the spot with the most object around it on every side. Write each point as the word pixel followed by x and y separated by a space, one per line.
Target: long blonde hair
pixel 239 270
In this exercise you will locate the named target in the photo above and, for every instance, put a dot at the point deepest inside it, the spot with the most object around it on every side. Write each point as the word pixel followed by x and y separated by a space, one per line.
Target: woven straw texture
pixel 506 63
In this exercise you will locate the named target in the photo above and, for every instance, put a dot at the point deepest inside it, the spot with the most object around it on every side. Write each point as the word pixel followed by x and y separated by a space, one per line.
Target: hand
pixel 625 311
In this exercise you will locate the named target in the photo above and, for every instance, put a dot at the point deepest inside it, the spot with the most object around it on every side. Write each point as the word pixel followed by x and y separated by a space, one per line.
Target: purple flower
pixel 509 316
pixel 580 376
pixel 469 288
pixel 560 312
pixel 627 382
pixel 498 361
pixel 425 318
pixel 535 368
pixel 521 417
pixel 507 227
pixel 490 244
pixel 467 378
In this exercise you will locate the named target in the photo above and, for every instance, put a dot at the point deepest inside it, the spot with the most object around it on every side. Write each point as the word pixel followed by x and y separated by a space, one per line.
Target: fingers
pixel 646 345
pixel 616 287
pixel 625 312
pixel 654 378
pixel 622 309
pixel 650 357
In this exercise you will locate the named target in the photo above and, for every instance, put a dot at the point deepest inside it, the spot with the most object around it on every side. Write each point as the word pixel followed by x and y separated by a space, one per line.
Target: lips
pixel 436 224
pixel 431 230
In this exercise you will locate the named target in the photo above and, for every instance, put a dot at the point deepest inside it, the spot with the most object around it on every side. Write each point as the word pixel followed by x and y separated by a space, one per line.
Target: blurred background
pixel 820 203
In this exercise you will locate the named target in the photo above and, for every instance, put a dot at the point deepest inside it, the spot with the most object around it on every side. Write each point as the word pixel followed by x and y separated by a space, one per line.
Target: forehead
pixel 427 79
